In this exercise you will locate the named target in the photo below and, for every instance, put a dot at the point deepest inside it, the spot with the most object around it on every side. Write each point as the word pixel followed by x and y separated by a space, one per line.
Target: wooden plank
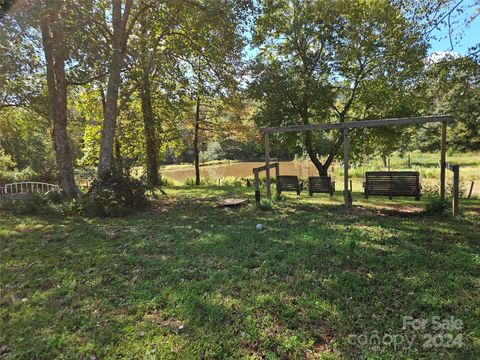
pixel 442 160
pixel 264 167
pixel 267 168
pixel 361 124
pixel 345 168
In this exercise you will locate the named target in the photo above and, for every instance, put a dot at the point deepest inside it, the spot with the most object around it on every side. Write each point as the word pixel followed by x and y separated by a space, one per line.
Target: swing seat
pixel 321 184
pixel 288 183
pixel 392 183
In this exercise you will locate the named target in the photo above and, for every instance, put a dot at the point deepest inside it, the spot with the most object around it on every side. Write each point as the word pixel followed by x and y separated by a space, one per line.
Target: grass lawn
pixel 189 280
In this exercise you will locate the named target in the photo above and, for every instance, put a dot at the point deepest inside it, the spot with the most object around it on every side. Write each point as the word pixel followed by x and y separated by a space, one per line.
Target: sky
pixel 464 37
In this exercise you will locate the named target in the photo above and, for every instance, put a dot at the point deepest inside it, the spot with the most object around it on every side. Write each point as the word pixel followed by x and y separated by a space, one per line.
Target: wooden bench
pixel 392 183
pixel 321 184
pixel 288 183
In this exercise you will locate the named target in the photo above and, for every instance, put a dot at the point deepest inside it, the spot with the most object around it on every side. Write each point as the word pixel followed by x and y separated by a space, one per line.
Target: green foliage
pixel 26 174
pixel 333 61
pixel 214 152
pixel 452 86
pixel 266 205
pixel 32 204
pixel 26 141
pixel 117 196
pixel 231 181
pixel 6 161
pixel 437 206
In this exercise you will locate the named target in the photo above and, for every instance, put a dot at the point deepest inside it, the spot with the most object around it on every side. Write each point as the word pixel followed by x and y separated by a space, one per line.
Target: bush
pixel 434 189
pixel 167 182
pixel 15 175
pixel 230 181
pixel 191 181
pixel 438 207
pixel 117 196
pixel 214 152
pixel 33 204
pixel 265 205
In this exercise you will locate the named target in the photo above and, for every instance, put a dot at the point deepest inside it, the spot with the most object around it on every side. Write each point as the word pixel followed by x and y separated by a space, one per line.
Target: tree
pixel 452 86
pixel 49 17
pixel 212 59
pixel 51 28
pixel 122 25
pixel 317 58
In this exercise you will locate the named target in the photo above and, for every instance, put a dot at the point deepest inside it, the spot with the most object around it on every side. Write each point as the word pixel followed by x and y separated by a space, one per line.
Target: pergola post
pixel 456 189
pixel 267 168
pixel 345 168
pixel 257 188
pixel 443 160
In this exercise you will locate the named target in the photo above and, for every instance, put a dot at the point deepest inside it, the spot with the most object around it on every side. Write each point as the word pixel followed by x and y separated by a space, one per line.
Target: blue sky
pixel 464 37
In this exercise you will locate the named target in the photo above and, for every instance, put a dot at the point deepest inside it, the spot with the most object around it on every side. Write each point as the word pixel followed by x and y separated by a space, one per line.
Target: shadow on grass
pixel 195 281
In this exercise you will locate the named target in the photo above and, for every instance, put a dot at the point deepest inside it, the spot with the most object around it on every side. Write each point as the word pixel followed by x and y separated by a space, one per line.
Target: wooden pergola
pixel 346 126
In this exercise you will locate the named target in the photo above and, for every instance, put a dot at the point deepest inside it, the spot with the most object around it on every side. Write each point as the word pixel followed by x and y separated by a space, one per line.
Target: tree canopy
pixel 105 86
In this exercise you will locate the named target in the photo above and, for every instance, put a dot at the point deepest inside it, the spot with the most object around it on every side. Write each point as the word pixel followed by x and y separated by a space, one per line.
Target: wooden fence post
pixel 456 188
pixel 267 167
pixel 471 189
pixel 257 189
pixel 442 160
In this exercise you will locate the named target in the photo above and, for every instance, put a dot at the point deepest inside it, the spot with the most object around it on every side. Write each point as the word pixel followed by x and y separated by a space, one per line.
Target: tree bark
pixel 148 118
pixel 196 152
pixel 118 157
pixel 119 42
pixel 53 47
pixel 110 118
pixel 149 129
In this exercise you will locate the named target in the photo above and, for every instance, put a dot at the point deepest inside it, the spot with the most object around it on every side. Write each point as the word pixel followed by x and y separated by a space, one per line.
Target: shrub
pixel 438 206
pixel 265 205
pixel 117 196
pixel 231 181
pixel 434 189
pixel 26 174
pixel 33 204
pixel 191 181
pixel 167 182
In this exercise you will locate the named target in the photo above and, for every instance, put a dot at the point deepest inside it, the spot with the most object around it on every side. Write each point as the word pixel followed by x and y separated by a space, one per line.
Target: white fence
pixel 27 187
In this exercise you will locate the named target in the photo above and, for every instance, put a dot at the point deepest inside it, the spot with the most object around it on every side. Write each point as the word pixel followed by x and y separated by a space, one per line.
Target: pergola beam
pixel 361 124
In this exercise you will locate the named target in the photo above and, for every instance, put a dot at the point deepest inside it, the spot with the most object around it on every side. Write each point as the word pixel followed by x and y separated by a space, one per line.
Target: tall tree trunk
pixel 119 44
pixel 53 47
pixel 147 112
pixel 110 118
pixel 149 129
pixel 196 152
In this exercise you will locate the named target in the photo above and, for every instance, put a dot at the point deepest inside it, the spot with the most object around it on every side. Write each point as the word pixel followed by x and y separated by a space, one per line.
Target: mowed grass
pixel 189 280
